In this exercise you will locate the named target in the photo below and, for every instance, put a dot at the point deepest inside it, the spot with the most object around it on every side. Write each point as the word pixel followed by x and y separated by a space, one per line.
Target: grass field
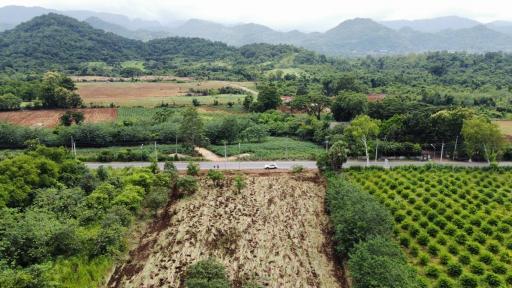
pixel 271 234
pixel 131 153
pixel 150 94
pixel 50 118
pixel 454 224
pixel 275 148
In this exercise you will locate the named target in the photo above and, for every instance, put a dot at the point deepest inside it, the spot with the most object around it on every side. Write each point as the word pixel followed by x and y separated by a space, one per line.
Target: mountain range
pixel 353 37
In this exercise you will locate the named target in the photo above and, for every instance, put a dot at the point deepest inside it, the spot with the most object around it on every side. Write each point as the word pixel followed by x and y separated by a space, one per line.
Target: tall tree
pixel 191 129
pixel 482 136
pixel 338 155
pixel 268 98
pixel 363 129
pixel 348 105
pixel 313 104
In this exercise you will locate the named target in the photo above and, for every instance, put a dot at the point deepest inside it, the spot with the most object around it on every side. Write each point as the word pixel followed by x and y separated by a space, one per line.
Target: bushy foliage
pixel 206 274
pixel 379 262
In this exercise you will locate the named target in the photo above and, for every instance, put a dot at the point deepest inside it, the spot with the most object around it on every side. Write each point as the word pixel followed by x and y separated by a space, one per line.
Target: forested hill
pixel 59 42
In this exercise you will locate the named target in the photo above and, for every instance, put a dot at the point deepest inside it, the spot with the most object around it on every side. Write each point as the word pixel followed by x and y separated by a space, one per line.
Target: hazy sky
pixel 310 15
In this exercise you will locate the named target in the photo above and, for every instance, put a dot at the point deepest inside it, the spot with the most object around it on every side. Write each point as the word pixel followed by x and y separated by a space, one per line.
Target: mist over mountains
pixel 353 37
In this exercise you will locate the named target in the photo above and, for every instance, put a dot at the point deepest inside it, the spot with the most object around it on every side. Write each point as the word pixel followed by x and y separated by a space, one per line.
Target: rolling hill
pixel 355 37
pixel 59 42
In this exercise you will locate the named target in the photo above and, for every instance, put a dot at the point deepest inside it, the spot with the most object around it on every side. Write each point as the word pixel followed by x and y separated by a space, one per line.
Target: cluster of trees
pixel 56 213
pixel 363 229
pixel 52 90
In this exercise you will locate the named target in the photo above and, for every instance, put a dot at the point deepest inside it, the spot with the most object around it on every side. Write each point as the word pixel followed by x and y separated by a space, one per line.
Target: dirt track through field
pixel 273 233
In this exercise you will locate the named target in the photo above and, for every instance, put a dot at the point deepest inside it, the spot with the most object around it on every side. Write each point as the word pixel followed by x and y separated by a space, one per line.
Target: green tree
pixel 347 106
pixel 156 198
pixel 355 215
pixel 131 198
pixel 379 263
pixel 338 155
pixel 70 117
pixel 191 129
pixel 216 176
pixel 186 185
pixel 248 102
pixel 192 169
pixel 268 97
pixel 255 133
pixel 9 101
pixel 58 91
pixel 206 274
pixel 363 129
pixel 313 104
pixel 481 135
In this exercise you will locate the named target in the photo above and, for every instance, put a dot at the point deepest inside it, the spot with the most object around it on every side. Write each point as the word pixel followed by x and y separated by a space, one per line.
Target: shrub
pixel 477 269
pixel 296 169
pixel 380 263
pixel 444 283
pixel 355 215
pixel 432 272
pixel 493 280
pixel 192 169
pixel 216 176
pixel 454 269
pixel 467 281
pixel 206 274
pixel 186 185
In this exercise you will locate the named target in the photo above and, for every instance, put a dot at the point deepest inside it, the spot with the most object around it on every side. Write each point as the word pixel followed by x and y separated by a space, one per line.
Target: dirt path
pixel 272 233
pixel 210 156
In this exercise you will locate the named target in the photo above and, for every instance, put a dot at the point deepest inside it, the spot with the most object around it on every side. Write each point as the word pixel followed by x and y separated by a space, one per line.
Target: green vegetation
pixel 453 223
pixel 362 230
pixel 275 148
pixel 62 222
pixel 207 274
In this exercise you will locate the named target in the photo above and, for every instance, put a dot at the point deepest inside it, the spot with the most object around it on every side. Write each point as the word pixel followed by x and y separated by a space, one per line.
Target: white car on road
pixel 271 166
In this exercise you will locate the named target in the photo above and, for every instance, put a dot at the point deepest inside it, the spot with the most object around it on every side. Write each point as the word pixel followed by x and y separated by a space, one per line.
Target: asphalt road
pixel 286 165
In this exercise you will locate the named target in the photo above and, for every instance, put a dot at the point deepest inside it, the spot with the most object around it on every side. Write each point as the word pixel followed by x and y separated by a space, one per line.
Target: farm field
pixel 50 118
pixel 272 233
pixel 274 148
pixel 454 224
pixel 150 94
pixel 506 128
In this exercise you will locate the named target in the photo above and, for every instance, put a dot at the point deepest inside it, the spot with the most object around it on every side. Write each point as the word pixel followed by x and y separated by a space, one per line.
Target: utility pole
pixel 176 144
pixel 239 155
pixel 286 147
pixel 442 151
pixel 455 150
pixel 73 147
pixel 156 153
pixel 434 158
pixel 141 152
pixel 225 155
pixel 376 150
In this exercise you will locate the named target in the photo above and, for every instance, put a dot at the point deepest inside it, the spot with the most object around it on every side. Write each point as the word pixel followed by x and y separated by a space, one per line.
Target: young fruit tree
pixel 362 129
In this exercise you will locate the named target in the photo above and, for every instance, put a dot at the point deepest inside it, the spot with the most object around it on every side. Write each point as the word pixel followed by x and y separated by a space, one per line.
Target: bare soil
pixel 50 118
pixel 138 92
pixel 273 233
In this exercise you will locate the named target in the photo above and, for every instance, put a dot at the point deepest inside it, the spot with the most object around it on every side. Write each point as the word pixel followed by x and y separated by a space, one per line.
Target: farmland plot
pixel 50 118
pixel 454 224
pixel 149 94
pixel 271 233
